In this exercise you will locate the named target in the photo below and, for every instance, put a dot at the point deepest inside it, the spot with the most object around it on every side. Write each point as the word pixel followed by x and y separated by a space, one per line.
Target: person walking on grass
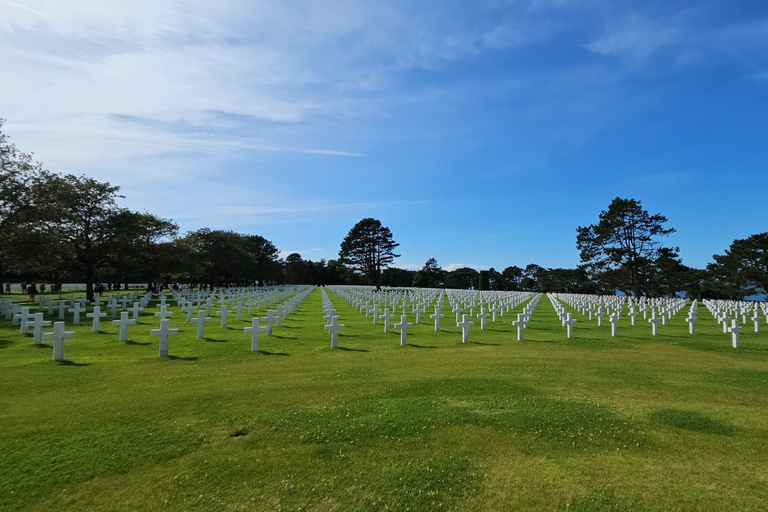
pixel 32 291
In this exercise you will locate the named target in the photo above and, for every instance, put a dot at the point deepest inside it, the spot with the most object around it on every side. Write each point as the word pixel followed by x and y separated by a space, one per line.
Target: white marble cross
pixel 465 324
pixel 163 332
pixel 437 316
pixel 189 309
pixel 163 313
pixel 239 308
pixel 97 315
pixel 255 329
pixel 334 327
pixel 76 309
pixel 375 310
pixel 632 315
pixel 387 316
pixel 403 326
pixel 270 319
pixel 520 324
pixel 124 322
pixel 482 316
pixel 568 323
pixel 691 323
pixel 37 324
pixel 135 309
pixel 734 329
pixel 600 314
pixel 23 316
pixel 201 320
pixel 58 336
pixel 655 321
pixel 419 310
pixel 614 319
pixel 224 313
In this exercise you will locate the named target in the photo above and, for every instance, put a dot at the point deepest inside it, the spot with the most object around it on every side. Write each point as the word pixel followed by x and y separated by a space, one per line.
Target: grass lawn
pixel 673 422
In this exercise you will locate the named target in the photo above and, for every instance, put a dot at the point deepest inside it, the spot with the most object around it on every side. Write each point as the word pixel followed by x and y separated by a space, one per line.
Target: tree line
pixel 67 228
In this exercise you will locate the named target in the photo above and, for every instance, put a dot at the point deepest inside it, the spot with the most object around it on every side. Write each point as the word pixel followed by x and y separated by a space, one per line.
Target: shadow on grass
pixel 42 345
pixel 267 353
pixel 179 358
pixel 129 342
pixel 692 420
pixel 284 337
pixel 480 343
pixel 289 326
pixel 347 349
pixel 67 362
pixel 421 346
pixel 214 340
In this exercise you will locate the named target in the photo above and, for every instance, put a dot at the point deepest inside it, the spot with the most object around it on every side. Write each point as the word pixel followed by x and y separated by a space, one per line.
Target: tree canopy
pixel 368 248
pixel 624 245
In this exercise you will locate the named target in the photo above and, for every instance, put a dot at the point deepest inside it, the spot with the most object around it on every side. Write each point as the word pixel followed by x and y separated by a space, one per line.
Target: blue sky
pixel 481 132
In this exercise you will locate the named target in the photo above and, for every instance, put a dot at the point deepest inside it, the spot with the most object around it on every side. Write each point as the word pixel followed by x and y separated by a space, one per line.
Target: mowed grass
pixel 672 422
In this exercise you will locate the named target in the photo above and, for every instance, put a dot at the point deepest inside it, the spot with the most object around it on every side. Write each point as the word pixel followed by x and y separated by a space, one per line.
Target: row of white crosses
pixel 565 317
pixel 592 306
pixel 26 320
pixel 329 315
pixel 463 304
pixel 729 312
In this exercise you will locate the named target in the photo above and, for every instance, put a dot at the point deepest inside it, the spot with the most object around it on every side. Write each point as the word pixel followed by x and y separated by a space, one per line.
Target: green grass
pixel 593 423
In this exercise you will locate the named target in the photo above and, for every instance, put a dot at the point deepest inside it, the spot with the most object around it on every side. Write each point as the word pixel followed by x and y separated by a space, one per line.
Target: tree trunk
pixel 89 284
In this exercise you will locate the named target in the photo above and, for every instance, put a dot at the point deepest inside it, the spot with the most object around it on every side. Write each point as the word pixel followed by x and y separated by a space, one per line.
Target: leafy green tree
pixel 743 269
pixel 91 224
pixel 512 278
pixel 225 257
pixel 368 249
pixel 139 253
pixel 625 242
pixel 431 275
pixel 24 212
pixel 462 278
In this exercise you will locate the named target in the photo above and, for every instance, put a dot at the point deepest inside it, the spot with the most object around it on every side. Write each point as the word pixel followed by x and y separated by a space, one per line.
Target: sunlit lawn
pixel 675 422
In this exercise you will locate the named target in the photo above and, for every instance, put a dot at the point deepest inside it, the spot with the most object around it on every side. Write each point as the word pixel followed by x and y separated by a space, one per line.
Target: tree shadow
pixel 67 362
pixel 420 346
pixel 347 349
pixel 179 358
pixel 267 353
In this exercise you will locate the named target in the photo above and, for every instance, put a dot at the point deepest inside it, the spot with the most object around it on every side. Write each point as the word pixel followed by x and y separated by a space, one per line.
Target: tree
pixel 512 278
pixel 367 249
pixel 139 254
pixel 462 278
pixel 91 223
pixel 625 242
pixel 744 266
pixel 24 210
pixel 430 275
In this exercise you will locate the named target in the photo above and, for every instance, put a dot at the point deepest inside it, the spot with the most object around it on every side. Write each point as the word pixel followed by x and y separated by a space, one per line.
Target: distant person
pixel 32 292
pixel 42 287
pixel 7 287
